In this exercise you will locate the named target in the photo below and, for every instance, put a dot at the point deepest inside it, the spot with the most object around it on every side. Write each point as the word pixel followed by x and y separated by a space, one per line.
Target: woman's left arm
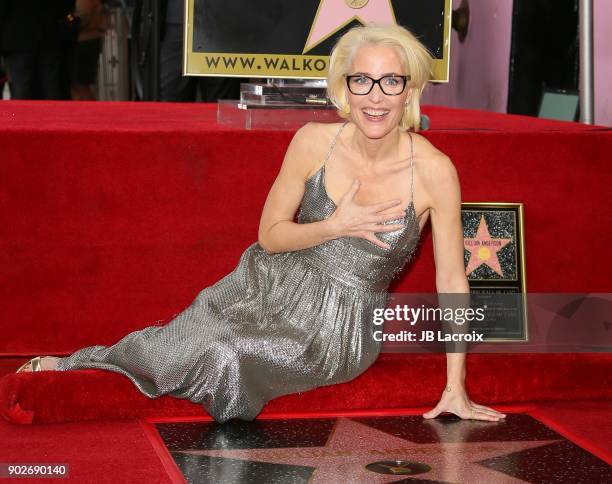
pixel 447 233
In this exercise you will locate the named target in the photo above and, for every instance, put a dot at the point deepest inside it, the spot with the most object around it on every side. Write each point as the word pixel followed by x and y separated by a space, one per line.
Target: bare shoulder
pixel 316 134
pixel 436 171
pixel 312 141
pixel 433 165
pixel 301 150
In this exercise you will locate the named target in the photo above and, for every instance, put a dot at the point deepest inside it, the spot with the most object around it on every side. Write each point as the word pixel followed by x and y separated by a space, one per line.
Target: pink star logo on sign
pixel 332 15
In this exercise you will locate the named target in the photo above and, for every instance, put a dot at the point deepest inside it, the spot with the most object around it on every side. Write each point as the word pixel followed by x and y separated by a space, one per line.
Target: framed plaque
pixel 494 257
pixel 293 38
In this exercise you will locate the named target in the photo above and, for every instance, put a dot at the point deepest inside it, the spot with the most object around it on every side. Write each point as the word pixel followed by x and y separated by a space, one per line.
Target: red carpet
pixel 96 452
pixel 116 216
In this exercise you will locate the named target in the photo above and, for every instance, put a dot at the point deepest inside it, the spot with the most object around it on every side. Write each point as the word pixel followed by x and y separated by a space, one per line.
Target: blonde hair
pixel 414 55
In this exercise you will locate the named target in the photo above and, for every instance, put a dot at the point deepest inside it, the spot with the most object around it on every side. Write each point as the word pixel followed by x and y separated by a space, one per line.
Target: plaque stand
pixel 278 104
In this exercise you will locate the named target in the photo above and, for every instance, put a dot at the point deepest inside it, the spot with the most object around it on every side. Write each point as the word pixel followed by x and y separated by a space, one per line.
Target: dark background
pixel 544 52
pixel 282 26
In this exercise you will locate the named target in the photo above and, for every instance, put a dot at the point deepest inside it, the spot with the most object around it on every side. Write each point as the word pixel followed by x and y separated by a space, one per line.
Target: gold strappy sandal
pixel 36 364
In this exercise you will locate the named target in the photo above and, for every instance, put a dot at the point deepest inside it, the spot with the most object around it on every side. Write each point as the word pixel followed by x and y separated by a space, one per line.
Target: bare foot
pixel 46 363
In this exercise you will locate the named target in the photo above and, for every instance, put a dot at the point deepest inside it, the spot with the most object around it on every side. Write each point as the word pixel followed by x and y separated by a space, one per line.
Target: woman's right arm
pixel 277 230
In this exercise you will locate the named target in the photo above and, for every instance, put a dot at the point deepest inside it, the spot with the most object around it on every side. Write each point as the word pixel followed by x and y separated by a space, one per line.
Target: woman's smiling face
pixel 376 114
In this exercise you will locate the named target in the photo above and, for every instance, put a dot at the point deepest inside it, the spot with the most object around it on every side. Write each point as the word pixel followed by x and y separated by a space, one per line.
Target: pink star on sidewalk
pixel 352 446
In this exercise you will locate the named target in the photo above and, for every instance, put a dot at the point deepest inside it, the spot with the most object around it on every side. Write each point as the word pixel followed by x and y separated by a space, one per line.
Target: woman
pixel 296 313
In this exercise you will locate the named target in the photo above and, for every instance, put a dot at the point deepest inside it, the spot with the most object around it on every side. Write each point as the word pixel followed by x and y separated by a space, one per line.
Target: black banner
pixel 284 38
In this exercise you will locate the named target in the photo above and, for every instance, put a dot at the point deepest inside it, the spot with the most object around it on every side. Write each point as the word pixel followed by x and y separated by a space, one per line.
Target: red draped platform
pixel 115 215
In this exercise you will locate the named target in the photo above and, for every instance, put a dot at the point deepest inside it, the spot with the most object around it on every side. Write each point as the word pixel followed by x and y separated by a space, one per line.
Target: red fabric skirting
pixel 116 215
pixel 394 381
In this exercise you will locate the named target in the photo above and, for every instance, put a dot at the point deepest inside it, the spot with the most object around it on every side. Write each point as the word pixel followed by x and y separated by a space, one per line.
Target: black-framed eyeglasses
pixel 392 85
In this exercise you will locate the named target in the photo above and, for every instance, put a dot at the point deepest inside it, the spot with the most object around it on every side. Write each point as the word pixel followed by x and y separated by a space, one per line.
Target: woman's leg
pixel 156 358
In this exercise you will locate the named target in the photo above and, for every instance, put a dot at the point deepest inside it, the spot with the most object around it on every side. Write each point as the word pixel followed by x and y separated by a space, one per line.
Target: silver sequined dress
pixel 277 324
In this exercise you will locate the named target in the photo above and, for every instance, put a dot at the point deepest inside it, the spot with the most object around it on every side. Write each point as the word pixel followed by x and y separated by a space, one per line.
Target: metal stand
pixel 587 85
pixel 113 76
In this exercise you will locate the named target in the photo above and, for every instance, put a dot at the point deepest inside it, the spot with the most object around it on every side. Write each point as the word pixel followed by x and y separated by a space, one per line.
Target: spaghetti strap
pixel 411 168
pixel 333 143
